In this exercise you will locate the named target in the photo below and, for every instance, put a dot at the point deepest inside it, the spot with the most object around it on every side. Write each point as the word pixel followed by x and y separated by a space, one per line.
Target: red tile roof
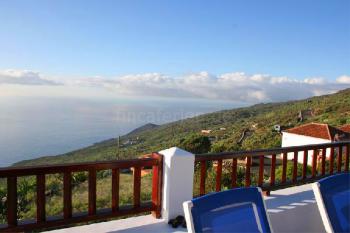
pixel 345 128
pixel 316 130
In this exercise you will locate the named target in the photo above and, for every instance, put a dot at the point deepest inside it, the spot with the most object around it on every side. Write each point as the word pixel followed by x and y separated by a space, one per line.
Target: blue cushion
pixel 236 210
pixel 335 191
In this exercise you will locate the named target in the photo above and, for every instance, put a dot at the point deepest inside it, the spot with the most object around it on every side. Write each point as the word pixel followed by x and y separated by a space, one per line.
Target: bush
pixel 195 143
pixel 78 178
pixel 224 146
pixel 25 193
pixel 103 174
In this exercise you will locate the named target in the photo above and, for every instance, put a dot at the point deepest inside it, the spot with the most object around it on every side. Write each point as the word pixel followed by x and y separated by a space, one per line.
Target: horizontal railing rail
pixel 318 154
pixel 76 167
pixel 155 161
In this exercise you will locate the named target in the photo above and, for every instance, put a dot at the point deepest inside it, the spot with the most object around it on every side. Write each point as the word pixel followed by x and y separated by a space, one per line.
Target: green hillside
pixel 227 128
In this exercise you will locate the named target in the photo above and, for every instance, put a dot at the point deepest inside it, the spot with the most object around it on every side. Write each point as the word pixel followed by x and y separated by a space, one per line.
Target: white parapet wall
pixel 177 181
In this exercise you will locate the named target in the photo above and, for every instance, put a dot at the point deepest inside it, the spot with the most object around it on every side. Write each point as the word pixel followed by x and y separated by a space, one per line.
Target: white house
pixel 312 133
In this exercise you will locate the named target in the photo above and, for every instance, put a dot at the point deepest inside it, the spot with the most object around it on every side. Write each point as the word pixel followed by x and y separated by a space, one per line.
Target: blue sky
pixel 86 38
pixel 240 51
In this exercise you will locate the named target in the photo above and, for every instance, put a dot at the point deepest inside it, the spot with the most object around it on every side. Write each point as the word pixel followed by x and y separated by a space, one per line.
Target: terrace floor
pixel 290 210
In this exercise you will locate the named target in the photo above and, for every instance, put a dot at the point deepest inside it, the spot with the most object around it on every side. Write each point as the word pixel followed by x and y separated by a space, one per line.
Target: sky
pixel 240 51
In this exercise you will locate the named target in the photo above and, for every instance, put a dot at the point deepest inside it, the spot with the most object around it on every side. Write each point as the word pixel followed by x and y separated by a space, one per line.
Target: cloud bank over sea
pixel 237 87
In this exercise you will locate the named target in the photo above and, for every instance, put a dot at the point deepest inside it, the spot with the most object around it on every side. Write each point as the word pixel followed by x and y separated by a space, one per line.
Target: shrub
pixel 195 143
pixel 78 178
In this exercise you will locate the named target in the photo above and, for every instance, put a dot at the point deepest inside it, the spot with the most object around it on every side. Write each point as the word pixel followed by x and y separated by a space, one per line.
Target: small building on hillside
pixel 312 133
pixel 206 131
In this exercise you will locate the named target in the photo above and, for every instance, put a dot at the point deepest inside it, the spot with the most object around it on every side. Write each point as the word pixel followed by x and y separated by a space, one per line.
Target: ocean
pixel 31 127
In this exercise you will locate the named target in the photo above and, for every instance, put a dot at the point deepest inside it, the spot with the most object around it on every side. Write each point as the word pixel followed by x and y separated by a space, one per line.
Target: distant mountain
pixel 132 133
pixel 226 129
pixel 142 129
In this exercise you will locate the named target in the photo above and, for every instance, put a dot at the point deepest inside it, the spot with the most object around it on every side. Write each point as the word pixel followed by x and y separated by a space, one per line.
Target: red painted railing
pixel 42 221
pixel 254 162
pixel 314 152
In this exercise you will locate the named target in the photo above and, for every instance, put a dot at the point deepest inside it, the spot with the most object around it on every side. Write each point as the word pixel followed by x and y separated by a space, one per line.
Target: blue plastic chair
pixel 333 200
pixel 235 210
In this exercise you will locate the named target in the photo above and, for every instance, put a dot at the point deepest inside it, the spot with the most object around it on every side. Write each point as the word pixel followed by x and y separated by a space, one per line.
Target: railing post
pixel 340 155
pixel 347 154
pixel 203 173
pixel 137 187
pixel 295 167
pixel 234 173
pixel 218 176
pixel 40 198
pixel 115 189
pixel 261 170
pixel 305 159
pixel 284 168
pixel 178 171
pixel 92 192
pixel 247 171
pixel 67 195
pixel 157 184
pixel 314 163
pixel 323 164
pixel 273 170
pixel 331 161
pixel 12 201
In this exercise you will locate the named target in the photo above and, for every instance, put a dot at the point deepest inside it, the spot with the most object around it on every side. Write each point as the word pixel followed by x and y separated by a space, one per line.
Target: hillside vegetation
pixel 237 129
pixel 227 128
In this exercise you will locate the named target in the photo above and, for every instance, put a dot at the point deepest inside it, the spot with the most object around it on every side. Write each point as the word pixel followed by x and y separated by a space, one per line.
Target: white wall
pixel 290 139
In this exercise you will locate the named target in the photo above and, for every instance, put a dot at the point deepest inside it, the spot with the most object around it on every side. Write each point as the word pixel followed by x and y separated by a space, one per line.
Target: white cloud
pixel 344 79
pixel 319 81
pixel 237 87
pixel 23 77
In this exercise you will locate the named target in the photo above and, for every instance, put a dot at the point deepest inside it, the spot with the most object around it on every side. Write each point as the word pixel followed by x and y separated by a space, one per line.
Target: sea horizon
pixel 38 126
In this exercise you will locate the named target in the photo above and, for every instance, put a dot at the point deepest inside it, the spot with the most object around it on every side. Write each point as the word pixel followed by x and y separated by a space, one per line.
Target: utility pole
pixel 118 147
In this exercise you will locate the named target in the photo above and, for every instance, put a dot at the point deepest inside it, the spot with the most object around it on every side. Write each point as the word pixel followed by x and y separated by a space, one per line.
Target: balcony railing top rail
pixel 76 167
pixel 259 152
pixel 43 221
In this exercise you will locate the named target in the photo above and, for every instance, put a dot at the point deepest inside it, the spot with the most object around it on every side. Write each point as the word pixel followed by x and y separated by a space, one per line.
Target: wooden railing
pixel 321 152
pixel 42 221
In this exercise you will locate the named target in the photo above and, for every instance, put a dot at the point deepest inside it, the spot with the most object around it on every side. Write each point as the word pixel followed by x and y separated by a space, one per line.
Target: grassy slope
pixel 333 109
